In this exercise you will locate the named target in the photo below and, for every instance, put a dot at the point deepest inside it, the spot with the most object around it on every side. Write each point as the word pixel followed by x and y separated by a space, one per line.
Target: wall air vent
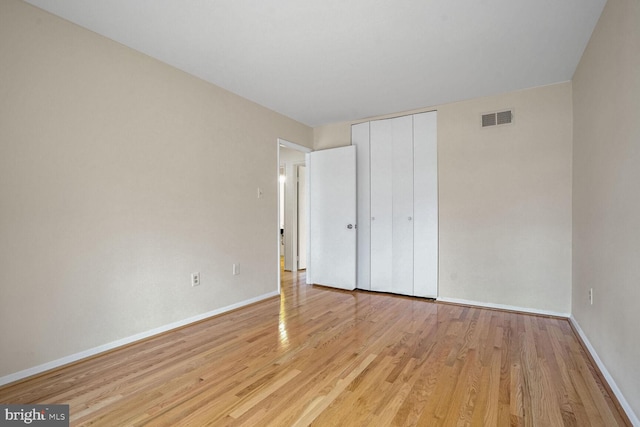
pixel 497 118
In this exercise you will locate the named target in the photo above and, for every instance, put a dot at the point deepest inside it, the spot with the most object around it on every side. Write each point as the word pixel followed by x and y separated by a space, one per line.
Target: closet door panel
pixel 360 138
pixel 402 206
pixel 381 151
pixel 425 205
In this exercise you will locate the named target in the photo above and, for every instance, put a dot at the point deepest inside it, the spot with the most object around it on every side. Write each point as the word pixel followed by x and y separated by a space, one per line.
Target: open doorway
pixel 292 199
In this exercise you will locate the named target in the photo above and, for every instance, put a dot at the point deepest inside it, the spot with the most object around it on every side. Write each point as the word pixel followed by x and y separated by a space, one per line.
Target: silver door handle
pixel 349 226
pixel 410 218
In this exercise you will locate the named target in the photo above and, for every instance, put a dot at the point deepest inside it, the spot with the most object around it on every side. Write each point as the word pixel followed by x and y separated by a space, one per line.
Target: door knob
pixel 410 218
pixel 349 226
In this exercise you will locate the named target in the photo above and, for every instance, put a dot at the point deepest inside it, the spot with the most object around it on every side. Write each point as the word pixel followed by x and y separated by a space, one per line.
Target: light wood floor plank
pixel 319 356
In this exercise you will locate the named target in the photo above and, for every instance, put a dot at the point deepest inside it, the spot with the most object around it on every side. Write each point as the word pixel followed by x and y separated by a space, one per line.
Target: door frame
pixel 301 247
pixel 291 145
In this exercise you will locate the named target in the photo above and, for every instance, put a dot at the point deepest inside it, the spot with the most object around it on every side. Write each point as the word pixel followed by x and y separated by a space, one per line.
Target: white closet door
pixel 391 153
pixel 360 138
pixel 402 206
pixel 381 152
pixel 399 173
pixel 425 205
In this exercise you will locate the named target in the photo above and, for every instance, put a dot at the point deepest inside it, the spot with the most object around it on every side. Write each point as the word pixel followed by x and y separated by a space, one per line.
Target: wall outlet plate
pixel 195 279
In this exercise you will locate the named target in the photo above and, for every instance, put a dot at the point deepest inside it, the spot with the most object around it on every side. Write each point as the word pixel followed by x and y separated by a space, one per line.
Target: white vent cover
pixel 497 118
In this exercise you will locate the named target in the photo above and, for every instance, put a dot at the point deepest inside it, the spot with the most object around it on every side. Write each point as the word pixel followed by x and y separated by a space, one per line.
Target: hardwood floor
pixel 326 357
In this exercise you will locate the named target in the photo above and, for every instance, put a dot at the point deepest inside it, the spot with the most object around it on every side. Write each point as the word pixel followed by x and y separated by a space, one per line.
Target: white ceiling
pixel 324 61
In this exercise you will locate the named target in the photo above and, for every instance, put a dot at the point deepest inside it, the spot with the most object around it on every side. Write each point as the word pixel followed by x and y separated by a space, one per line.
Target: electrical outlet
pixel 591 296
pixel 236 269
pixel 195 279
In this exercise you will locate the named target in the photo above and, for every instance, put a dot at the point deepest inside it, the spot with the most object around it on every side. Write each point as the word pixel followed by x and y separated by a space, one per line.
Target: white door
pixel 381 153
pixel 402 206
pixel 425 199
pixel 391 153
pixel 332 217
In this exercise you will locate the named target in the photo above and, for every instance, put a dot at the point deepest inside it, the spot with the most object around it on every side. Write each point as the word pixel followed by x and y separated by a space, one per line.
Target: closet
pixel 397 202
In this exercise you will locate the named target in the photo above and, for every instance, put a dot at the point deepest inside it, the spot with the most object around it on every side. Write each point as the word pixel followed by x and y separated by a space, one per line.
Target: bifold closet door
pixel 425 204
pixel 402 206
pixel 398 204
pixel 381 197
pixel 391 171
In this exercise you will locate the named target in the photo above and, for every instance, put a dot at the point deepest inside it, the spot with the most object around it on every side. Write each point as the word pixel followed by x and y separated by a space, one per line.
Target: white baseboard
pixel 124 341
pixel 503 307
pixel 612 384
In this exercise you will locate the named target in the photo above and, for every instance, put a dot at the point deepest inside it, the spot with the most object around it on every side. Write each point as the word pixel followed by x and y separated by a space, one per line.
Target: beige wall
pixel 332 135
pixel 606 201
pixel 504 199
pixel 119 177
